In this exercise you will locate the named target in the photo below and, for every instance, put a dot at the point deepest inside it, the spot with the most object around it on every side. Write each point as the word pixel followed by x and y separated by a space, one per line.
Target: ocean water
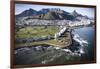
pixel 88 33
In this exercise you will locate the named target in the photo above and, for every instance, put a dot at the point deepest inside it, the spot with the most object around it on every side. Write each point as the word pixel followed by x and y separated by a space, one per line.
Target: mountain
pixel 75 14
pixel 50 14
pixel 29 12
pixel 43 11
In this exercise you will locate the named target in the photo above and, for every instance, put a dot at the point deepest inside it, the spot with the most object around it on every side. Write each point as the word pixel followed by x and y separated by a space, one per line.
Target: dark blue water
pixel 88 33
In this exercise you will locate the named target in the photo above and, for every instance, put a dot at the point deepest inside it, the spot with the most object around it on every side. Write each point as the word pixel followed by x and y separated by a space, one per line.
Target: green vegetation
pixel 61 42
pixel 42 31
pixel 36 31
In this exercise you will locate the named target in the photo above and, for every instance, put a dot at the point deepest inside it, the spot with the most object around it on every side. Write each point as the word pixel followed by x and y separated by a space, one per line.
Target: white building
pixel 58 34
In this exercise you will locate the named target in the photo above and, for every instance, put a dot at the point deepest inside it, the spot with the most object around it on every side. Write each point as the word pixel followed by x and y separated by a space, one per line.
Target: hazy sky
pixel 84 11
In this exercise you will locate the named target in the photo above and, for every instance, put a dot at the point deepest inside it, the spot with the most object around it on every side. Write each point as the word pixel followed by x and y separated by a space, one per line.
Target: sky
pixel 82 10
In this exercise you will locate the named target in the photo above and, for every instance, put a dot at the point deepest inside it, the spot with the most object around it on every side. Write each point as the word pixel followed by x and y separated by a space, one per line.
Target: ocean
pixel 88 33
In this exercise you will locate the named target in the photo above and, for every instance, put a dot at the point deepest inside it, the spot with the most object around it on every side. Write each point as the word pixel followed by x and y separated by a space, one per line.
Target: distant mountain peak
pixel 74 13
pixel 30 9
pixel 28 12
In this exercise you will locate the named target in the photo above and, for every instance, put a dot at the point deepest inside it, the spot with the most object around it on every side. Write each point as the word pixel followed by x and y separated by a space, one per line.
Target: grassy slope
pixel 36 31
pixel 39 31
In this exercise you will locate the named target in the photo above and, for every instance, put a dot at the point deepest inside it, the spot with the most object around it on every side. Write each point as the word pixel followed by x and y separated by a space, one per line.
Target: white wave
pixel 82 51
pixel 57 48
pixel 67 50
pixel 79 39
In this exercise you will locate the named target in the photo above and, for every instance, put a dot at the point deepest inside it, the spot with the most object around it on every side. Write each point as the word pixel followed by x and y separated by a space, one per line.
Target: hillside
pixel 50 14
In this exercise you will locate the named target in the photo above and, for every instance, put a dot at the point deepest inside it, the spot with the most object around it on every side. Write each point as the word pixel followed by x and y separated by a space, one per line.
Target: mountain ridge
pixel 49 13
